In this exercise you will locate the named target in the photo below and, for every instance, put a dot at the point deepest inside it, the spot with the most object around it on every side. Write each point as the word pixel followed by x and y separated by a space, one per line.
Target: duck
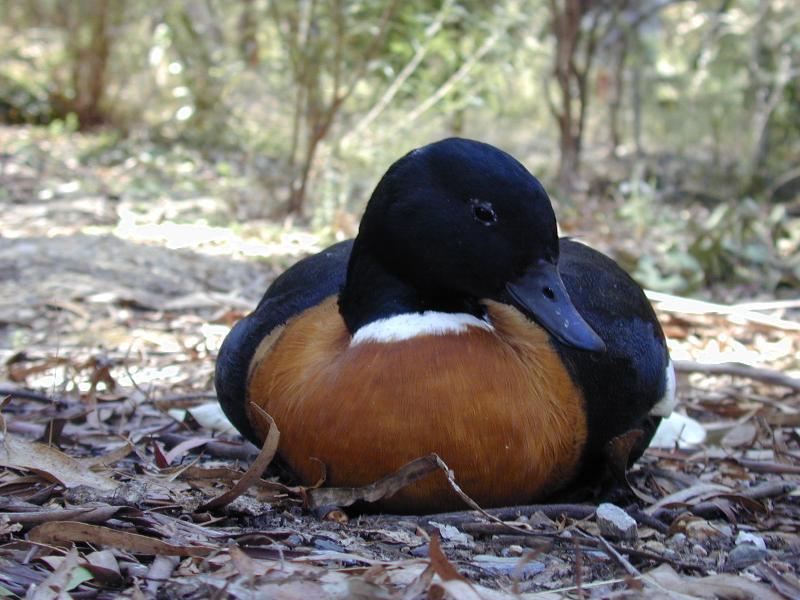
pixel 455 322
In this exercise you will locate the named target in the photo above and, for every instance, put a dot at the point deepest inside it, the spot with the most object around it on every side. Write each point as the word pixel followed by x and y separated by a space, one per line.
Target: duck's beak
pixel 541 295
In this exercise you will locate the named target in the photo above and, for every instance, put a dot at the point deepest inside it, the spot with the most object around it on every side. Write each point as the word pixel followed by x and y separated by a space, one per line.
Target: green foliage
pixel 302 105
pixel 736 243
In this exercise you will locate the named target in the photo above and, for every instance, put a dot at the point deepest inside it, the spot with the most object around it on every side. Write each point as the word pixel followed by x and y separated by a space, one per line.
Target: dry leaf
pixel 383 488
pixel 256 469
pixel 104 566
pixel 728 587
pixel 741 435
pixel 52 464
pixel 60 532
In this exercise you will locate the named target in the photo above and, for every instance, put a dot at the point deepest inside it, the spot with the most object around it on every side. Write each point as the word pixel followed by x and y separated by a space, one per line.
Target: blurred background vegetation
pixel 667 131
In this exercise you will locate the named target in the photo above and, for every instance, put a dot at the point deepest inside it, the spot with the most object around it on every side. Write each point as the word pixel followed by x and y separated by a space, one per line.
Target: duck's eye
pixel 483 212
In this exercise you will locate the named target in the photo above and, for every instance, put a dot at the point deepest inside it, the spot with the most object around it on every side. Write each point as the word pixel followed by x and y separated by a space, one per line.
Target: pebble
pixel 420 551
pixel 294 540
pixel 327 545
pixel 655 546
pixel 512 550
pixel 703 530
pixel 698 550
pixel 678 540
pixel 744 555
pixel 749 538
pixel 615 523
pixel 452 534
pixel 498 565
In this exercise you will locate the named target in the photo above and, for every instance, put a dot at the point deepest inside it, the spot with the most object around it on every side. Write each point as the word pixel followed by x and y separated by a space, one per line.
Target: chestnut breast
pixel 495 403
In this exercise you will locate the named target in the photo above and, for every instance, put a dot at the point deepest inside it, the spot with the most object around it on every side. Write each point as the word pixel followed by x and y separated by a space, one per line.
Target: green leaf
pixel 79 575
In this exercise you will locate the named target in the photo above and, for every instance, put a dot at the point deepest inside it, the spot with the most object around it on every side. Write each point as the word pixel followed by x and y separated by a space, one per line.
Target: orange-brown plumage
pixel 498 407
pixel 446 326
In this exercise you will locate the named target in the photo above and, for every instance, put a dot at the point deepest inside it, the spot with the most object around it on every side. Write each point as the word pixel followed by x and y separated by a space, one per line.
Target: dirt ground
pixel 114 298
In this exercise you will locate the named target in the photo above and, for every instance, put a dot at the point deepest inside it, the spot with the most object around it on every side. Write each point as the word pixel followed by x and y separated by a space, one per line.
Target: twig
pixel 642 518
pixel 739 370
pixel 235 451
pixel 430 33
pixel 710 510
pixel 527 540
pixel 24 394
pixel 762 466
pixel 552 511
pixel 771 305
pixel 452 81
pixel 612 553
pixel 677 304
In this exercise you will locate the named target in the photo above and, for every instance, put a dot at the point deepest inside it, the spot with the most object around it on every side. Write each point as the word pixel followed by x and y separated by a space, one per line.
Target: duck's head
pixel 459 221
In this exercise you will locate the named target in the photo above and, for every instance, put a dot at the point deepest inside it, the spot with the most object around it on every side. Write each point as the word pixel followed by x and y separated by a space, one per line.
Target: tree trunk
pixel 617 90
pixel 248 39
pixel 89 63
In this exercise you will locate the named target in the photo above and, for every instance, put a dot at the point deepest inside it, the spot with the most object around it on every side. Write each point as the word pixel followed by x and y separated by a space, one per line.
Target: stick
pixel 552 511
pixel 739 370
pixel 677 304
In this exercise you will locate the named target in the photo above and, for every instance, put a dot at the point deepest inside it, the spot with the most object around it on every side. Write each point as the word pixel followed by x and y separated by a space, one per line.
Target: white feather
pixel 410 325
pixel 665 406
pixel 679 430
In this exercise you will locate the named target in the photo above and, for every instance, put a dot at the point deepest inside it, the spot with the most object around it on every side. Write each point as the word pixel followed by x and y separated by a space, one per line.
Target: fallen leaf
pixel 712 586
pixel 256 469
pixel 104 566
pixel 84 514
pixel 383 488
pixel 52 464
pixel 58 582
pixel 741 435
pixel 453 582
pixel 59 532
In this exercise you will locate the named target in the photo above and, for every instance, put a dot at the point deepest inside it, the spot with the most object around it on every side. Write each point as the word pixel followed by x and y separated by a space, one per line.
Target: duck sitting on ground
pixel 456 322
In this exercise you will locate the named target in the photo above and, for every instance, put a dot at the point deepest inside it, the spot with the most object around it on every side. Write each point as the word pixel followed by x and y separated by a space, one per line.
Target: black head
pixel 460 219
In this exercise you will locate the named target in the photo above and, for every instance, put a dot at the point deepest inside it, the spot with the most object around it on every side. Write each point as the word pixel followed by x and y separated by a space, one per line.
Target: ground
pixel 114 298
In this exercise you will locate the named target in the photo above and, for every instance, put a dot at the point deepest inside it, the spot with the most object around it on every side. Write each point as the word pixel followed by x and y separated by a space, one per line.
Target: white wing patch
pixel 411 325
pixel 665 406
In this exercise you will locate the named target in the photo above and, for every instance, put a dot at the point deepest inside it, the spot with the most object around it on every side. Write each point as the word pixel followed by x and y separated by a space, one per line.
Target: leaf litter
pixel 116 479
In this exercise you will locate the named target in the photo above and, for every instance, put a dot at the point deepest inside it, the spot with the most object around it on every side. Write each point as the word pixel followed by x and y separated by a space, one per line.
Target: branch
pixel 677 304
pixel 739 370
pixel 405 73
pixel 452 81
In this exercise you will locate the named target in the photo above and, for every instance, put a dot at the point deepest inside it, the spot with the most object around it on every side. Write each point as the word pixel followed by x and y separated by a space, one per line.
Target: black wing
pixel 305 284
pixel 622 384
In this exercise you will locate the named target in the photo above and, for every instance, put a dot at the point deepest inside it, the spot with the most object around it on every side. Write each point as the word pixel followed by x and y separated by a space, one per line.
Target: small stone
pixel 512 550
pixel 327 545
pixel 452 534
pixel 749 538
pixel 703 530
pixel 656 547
pixel 497 565
pixel 597 555
pixel 420 551
pixel 294 540
pixel 539 520
pixel 678 540
pixel 615 523
pixel 699 551
pixel 744 555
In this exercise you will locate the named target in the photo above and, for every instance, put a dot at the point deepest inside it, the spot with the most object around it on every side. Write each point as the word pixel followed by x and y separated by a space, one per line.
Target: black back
pixel 305 284
pixel 622 384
